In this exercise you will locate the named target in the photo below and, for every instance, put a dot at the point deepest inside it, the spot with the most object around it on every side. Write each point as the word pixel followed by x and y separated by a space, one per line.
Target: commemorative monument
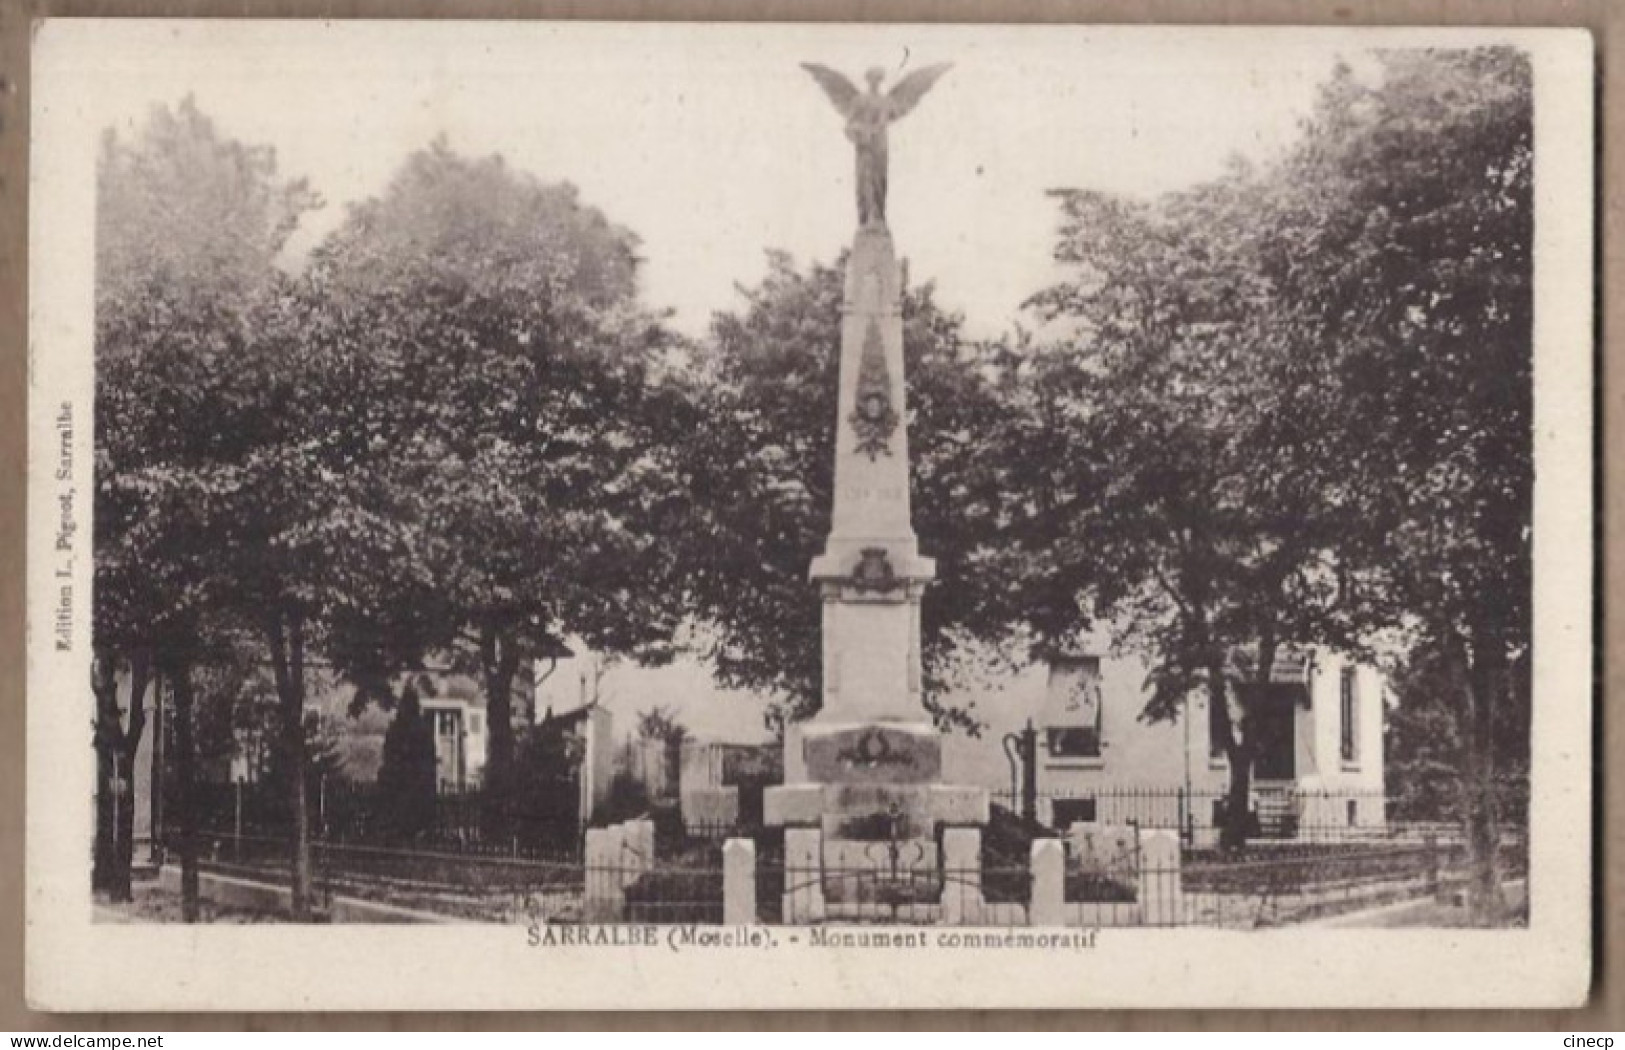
pixel 864 790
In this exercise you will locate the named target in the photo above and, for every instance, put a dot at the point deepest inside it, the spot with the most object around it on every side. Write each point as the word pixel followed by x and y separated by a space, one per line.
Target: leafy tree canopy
pixel 759 462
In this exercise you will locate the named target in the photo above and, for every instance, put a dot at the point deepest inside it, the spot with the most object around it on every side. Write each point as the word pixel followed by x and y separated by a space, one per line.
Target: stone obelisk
pixel 869 764
pixel 871 576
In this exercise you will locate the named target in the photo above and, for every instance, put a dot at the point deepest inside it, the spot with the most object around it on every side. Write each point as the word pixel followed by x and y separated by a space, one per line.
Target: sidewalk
pixel 1425 912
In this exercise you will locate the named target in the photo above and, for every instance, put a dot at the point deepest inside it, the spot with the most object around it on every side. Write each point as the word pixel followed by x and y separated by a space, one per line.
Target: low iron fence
pixel 471 823
pixel 468 823
pixel 1275 812
pixel 659 869
pixel 1260 887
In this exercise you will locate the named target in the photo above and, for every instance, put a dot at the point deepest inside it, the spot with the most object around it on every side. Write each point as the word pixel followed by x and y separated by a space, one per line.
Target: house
pixel 1319 723
pixel 1320 719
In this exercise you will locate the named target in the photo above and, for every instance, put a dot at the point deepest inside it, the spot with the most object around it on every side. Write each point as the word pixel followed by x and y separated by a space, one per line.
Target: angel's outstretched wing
pixel 840 90
pixel 908 92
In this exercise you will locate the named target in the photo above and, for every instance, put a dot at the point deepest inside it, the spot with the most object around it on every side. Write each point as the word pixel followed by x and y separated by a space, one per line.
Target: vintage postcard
pixel 584 515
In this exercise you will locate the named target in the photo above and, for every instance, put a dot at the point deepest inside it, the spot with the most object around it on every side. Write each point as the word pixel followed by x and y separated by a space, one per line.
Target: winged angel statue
pixel 868 114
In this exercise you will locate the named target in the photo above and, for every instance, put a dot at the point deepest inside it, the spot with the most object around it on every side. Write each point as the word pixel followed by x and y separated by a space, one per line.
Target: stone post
pixel 739 882
pixel 1048 906
pixel 604 898
pixel 617 858
pixel 803 876
pixel 1161 894
pixel 962 866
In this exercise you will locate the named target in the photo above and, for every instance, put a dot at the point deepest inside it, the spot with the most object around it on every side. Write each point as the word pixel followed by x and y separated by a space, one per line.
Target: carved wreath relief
pixel 874 572
pixel 873 417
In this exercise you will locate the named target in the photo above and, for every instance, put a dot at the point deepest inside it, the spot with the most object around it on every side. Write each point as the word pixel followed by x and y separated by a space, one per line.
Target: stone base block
pixel 877 812
pixel 845 810
pixel 793 805
pixel 872 752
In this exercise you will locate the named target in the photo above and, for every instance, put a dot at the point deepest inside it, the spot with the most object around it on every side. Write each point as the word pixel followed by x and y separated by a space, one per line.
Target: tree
pixel 1186 495
pixel 1417 190
pixel 1354 322
pixel 407 779
pixel 326 542
pixel 660 725
pixel 118 732
pixel 189 224
pixel 1424 739
pixel 505 363
pixel 547 764
pixel 757 445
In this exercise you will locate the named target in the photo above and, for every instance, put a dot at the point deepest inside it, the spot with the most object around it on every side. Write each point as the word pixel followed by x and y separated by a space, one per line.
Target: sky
pixel 713 145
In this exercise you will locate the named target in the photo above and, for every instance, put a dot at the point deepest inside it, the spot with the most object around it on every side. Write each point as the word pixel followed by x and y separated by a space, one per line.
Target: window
pixel 1218 729
pixel 1349 709
pixel 1075 742
pixel 1072 708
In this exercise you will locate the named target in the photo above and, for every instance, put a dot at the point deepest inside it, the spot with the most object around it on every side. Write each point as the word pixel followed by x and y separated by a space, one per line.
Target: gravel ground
pixel 152 904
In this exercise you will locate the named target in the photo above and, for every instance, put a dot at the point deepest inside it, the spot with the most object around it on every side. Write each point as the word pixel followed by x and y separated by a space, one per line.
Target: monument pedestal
pixel 871 780
pixel 864 790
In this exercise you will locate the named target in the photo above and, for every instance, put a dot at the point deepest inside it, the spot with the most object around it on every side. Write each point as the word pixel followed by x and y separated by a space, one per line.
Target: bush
pixel 407 777
pixel 1081 885
pixel 544 805
pixel 628 800
pixel 675 895
pixel 1007 850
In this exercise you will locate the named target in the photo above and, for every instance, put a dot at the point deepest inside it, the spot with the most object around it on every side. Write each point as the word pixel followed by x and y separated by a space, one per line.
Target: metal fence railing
pixel 675 873
pixel 471 823
pixel 1274 812
pixel 1266 885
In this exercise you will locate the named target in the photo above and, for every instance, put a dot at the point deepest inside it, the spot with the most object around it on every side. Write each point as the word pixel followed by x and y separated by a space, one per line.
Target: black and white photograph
pixel 1083 506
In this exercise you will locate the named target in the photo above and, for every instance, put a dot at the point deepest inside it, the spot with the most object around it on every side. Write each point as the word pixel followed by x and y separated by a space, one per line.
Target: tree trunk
pixel 1238 813
pixel 185 814
pixel 103 850
pixel 1233 828
pixel 1241 749
pixel 128 744
pixel 104 687
pixel 499 662
pixel 288 666
pixel 1486 667
pixel 159 765
pixel 117 737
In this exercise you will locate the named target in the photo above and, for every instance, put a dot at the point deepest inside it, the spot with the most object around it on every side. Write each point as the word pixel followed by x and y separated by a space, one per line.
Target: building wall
pixel 1136 755
pixel 1133 753
pixel 1168 756
pixel 597 760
